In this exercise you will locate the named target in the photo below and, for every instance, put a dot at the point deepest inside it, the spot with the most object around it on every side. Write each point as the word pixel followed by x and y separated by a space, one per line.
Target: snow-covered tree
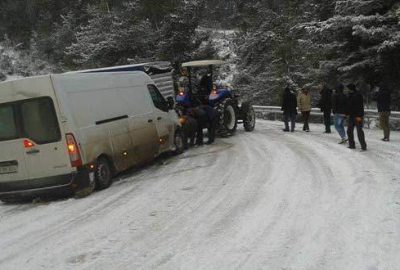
pixel 178 38
pixel 359 42
pixel 111 38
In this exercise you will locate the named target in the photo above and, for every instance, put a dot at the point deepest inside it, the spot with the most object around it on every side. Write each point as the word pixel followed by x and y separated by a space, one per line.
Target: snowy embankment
pixel 261 200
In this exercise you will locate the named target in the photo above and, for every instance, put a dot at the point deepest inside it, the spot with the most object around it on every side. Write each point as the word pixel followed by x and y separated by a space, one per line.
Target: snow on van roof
pixel 203 63
pixel 16 79
pixel 133 67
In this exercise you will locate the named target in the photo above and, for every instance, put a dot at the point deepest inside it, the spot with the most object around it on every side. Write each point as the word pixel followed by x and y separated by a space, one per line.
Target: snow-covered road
pixel 261 200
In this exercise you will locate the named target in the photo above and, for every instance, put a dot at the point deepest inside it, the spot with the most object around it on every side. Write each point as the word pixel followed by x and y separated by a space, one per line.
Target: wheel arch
pixel 109 160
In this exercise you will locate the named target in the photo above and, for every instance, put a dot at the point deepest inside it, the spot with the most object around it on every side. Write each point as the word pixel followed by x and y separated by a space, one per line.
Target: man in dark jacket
pixel 339 107
pixel 383 101
pixel 289 108
pixel 206 117
pixel 355 112
pixel 325 103
pixel 212 122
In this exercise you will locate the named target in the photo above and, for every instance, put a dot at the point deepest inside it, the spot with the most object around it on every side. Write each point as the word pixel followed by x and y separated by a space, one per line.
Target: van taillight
pixel 28 144
pixel 73 150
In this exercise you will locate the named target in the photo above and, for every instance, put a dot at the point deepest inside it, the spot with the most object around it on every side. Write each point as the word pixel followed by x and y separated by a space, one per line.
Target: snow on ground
pixel 261 200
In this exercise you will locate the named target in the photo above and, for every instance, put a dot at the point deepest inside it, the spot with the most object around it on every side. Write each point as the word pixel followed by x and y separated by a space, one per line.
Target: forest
pixel 276 42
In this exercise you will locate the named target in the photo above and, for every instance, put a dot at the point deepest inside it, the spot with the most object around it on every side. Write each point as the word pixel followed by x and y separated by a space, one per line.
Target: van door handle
pixel 150 121
pixel 159 118
pixel 33 151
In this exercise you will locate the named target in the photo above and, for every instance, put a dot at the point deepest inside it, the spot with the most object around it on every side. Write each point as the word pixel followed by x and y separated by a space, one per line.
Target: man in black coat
pixel 206 117
pixel 289 108
pixel 383 101
pixel 325 103
pixel 355 112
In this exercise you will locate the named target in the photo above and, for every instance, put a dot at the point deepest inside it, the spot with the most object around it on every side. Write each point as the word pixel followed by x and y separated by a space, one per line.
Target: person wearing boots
pixel 383 101
pixel 355 112
pixel 304 104
pixel 289 108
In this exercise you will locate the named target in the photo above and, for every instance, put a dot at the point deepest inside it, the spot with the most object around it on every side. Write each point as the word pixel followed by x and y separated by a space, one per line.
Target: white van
pixel 72 132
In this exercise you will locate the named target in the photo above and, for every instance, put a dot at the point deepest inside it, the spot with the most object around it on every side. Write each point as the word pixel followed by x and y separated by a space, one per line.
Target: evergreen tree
pixel 359 43
pixel 111 38
pixel 178 38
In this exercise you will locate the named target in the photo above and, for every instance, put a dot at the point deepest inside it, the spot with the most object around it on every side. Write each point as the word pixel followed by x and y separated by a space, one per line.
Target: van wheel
pixel 86 191
pixel 179 143
pixel 103 174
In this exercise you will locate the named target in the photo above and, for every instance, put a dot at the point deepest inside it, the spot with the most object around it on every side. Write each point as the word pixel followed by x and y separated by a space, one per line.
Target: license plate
pixel 8 169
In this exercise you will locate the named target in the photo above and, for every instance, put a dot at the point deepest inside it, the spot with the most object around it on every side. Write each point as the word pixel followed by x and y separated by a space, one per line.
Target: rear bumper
pixel 45 187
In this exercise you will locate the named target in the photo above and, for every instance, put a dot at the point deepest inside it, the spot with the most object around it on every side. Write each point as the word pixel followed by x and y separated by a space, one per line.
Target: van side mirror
pixel 171 103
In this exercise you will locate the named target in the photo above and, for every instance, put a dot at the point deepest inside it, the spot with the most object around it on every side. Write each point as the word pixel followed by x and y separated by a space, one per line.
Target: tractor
pixel 221 97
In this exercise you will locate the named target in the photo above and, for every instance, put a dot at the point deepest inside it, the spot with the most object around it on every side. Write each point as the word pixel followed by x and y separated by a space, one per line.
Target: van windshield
pixel 34 119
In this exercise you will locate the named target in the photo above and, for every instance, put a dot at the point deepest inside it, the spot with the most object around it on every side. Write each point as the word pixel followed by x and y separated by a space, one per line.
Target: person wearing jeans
pixel 339 126
pixel 289 108
pixel 289 117
pixel 339 107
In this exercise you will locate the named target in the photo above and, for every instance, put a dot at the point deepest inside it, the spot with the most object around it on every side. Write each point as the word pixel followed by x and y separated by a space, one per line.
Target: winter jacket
pixel 325 103
pixel 210 111
pixel 383 100
pixel 289 104
pixel 339 103
pixel 304 102
pixel 355 106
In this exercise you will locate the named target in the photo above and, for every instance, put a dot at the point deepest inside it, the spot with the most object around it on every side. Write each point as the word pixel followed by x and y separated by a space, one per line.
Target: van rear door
pixel 12 156
pixel 48 156
pixel 32 145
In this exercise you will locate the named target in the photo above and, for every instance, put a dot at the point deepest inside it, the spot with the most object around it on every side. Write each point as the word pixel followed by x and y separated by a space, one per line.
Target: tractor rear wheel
pixel 249 117
pixel 227 117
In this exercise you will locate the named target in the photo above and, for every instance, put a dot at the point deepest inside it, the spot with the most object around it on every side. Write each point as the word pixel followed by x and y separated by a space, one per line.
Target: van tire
pixel 179 142
pixel 103 174
pixel 84 192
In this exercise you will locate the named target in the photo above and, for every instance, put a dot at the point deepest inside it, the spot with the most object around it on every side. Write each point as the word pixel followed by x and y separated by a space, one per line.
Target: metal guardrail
pixel 275 112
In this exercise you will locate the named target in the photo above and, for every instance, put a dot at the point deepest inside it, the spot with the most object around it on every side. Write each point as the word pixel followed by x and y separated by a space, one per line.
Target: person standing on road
pixel 356 117
pixel 383 101
pixel 339 107
pixel 212 122
pixel 325 103
pixel 304 104
pixel 289 108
